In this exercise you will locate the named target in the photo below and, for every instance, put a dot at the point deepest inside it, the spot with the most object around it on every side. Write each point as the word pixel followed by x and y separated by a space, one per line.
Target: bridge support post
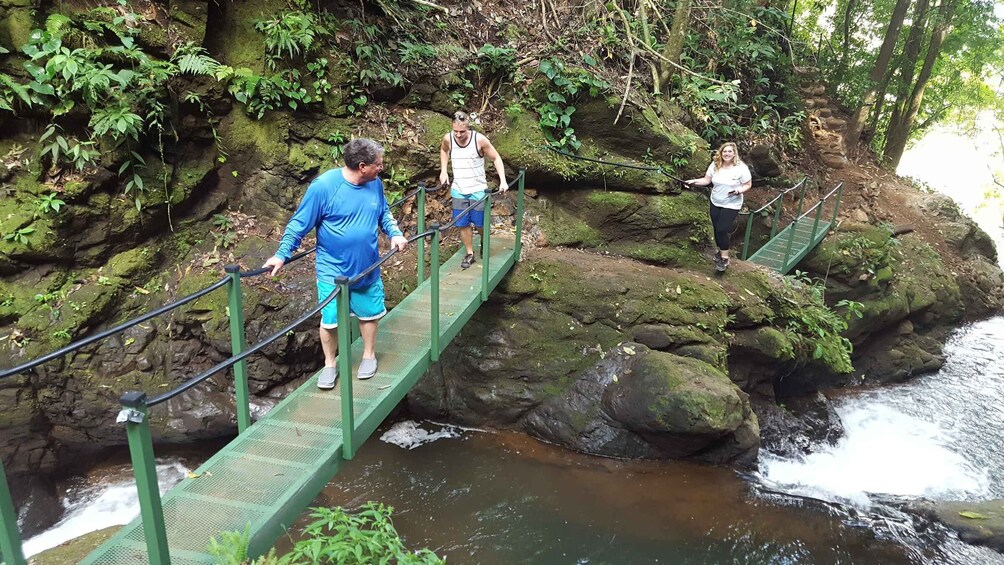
pixel 10 537
pixel 134 415
pixel 519 212
pixel 801 200
pixel 815 223
pixel 746 240
pixel 836 205
pixel 486 236
pixel 238 342
pixel 777 218
pixel 434 295
pixel 345 369
pixel 421 228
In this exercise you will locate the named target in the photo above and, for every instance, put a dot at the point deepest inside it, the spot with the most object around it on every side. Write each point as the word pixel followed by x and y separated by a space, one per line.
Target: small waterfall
pixel 101 504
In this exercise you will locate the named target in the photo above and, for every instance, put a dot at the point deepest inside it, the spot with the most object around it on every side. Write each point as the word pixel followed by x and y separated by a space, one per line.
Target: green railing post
pixel 134 415
pixel 777 217
pixel 815 222
pixel 238 343
pixel 801 199
pixel 836 205
pixel 486 232
pixel 421 228
pixel 10 537
pixel 746 240
pixel 434 296
pixel 519 212
pixel 345 368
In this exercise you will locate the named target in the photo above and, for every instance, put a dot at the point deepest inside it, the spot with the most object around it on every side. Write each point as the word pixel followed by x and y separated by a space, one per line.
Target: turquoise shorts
pixel 365 304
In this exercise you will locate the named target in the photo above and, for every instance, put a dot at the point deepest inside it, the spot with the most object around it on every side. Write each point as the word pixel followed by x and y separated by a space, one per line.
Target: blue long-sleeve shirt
pixel 346 217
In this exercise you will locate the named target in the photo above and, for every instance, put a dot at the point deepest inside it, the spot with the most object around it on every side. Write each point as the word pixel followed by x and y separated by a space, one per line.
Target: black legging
pixel 722 220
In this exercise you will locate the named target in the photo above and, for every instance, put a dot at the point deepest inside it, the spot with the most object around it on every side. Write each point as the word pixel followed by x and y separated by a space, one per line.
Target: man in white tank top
pixel 467 150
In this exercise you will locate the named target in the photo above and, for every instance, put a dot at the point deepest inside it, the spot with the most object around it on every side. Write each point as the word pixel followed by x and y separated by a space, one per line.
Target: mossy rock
pixel 188 19
pixel 132 263
pixel 75 550
pixel 309 158
pixel 659 229
pixel 236 42
pixel 562 228
pixel 666 393
pixel 522 143
pixel 265 138
pixel 16 25
pixel 188 176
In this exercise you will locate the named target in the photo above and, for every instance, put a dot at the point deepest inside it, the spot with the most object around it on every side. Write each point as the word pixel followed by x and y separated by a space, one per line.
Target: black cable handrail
pixel 821 202
pixel 5 373
pixel 262 270
pixel 402 200
pixel 112 331
pixel 780 195
pixel 243 355
pixel 190 383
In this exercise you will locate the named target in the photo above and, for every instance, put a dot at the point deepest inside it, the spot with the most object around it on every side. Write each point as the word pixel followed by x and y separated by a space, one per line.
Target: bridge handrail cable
pixel 233 360
pixel 6 373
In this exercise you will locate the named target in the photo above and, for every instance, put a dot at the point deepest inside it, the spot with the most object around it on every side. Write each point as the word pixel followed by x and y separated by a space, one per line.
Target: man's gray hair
pixel 361 151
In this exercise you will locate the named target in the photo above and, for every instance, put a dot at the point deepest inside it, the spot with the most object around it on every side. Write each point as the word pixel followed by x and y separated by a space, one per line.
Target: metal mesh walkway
pixel 787 248
pixel 267 476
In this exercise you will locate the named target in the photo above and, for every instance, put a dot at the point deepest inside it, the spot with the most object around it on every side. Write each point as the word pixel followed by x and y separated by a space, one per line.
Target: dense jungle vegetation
pixel 110 93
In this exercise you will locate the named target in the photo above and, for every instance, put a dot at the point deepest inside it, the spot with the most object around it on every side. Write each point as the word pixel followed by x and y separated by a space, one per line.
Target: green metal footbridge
pixel 784 248
pixel 274 468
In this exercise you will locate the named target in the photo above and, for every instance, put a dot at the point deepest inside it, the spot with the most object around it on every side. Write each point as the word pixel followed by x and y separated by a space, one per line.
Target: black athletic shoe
pixel 467 262
pixel 721 265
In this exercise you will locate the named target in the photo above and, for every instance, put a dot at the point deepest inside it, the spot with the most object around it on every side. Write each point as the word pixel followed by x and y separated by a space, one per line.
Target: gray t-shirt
pixel 725 181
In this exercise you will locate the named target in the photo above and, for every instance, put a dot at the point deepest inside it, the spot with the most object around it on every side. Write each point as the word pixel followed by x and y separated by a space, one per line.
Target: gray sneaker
pixel 328 377
pixel 367 368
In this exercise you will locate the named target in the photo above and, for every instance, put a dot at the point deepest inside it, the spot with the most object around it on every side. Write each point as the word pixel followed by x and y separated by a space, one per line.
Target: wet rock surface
pixel 979 523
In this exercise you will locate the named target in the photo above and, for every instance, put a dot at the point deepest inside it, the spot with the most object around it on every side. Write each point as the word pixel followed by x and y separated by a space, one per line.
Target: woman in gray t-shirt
pixel 730 178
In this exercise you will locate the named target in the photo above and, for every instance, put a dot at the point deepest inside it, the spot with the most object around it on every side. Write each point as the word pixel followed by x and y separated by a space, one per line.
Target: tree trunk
pixel 674 43
pixel 845 48
pixel 896 144
pixel 878 71
pixel 911 53
pixel 868 133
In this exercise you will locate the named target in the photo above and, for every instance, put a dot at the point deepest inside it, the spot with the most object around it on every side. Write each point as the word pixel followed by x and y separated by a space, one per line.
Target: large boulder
pixel 661 229
pixel 639 403
pixel 613 357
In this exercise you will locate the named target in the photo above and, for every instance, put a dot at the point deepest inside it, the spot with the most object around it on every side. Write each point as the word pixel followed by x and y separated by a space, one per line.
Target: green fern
pixel 58 25
pixel 192 59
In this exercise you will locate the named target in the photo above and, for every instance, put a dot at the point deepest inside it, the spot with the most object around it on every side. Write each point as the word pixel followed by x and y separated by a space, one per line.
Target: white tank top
pixel 468 166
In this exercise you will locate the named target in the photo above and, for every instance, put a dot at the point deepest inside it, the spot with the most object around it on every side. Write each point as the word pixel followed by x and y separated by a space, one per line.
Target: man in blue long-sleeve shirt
pixel 346 206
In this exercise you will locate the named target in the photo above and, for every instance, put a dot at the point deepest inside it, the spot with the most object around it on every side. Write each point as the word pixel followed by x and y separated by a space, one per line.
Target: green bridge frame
pixel 276 466
pixel 785 249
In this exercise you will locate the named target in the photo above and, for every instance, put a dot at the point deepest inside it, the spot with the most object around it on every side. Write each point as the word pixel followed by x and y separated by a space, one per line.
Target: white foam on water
pixel 408 435
pixel 96 507
pixel 884 451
